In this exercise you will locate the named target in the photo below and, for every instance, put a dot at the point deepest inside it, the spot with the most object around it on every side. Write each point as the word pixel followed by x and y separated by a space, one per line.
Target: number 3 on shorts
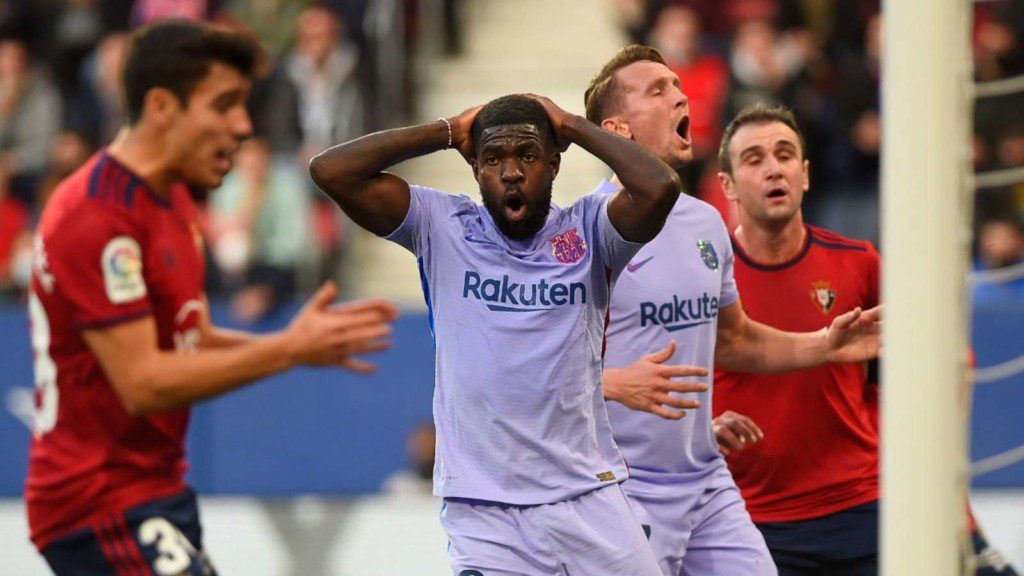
pixel 175 551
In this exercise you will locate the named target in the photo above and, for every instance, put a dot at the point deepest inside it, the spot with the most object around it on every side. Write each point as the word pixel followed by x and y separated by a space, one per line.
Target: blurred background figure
pixel 1000 242
pixel 15 244
pixel 94 109
pixel 705 81
pixel 417 478
pixel 29 119
pixel 258 231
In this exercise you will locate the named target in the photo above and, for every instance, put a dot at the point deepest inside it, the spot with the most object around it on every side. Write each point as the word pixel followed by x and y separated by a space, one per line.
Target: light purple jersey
pixel 672 289
pixel 518 330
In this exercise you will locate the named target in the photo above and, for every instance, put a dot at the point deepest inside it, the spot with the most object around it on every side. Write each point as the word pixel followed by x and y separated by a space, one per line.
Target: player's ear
pixel 807 175
pixel 475 167
pixel 556 163
pixel 160 104
pixel 728 186
pixel 618 126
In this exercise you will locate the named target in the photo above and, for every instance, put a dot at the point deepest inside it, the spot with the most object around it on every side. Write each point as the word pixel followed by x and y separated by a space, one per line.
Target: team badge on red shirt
pixel 823 295
pixel 568 247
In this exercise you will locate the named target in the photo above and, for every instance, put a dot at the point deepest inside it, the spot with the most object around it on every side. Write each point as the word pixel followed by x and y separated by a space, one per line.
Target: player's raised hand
pixel 646 384
pixel 326 334
pixel 735 431
pixel 855 336
pixel 557 117
pixel 462 132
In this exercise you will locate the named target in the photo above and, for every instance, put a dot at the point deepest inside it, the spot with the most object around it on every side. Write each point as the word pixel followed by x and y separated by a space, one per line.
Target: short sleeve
pixel 616 251
pixel 97 263
pixel 729 293
pixel 874 278
pixel 425 208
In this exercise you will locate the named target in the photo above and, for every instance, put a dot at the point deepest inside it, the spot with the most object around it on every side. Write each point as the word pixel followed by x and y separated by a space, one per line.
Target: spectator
pixel 705 80
pixel 1000 245
pixel 273 21
pixel 15 243
pixel 417 479
pixel 95 109
pixel 70 150
pixel 28 123
pixel 259 219
pixel 322 70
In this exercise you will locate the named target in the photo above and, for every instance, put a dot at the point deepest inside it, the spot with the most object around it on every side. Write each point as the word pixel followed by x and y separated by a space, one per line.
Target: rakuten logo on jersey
pixel 679 314
pixel 507 296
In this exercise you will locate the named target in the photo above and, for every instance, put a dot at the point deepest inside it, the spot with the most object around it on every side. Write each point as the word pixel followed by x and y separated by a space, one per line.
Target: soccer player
pixel 811 483
pixel 120 327
pixel 680 286
pixel 517 291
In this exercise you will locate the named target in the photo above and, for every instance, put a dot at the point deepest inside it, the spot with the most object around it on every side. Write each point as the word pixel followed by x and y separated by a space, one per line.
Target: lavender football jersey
pixel 518 331
pixel 672 290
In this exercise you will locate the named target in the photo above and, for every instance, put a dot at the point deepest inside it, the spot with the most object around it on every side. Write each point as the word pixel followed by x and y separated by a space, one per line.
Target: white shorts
pixel 593 534
pixel 704 534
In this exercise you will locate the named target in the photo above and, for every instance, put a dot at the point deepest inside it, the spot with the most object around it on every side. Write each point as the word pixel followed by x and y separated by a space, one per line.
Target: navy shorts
pixel 840 544
pixel 846 544
pixel 157 538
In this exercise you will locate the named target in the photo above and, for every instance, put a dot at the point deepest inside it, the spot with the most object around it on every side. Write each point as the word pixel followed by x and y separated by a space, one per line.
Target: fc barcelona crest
pixel 568 247
pixel 708 254
pixel 823 296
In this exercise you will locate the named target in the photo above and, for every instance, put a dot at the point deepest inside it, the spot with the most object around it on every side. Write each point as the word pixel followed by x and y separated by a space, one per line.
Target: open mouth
pixel 515 206
pixel 683 129
pixel 224 160
pixel 776 193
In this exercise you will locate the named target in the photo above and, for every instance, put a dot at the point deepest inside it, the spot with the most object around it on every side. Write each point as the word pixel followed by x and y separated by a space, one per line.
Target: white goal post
pixel 926 224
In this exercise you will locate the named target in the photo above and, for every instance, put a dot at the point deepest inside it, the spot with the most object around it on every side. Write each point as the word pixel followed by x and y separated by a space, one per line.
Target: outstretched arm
pixel 744 345
pixel 150 379
pixel 353 174
pixel 651 187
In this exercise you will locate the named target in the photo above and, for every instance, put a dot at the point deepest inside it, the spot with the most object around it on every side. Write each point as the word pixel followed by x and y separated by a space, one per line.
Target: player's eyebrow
pixel 755 149
pixel 786 143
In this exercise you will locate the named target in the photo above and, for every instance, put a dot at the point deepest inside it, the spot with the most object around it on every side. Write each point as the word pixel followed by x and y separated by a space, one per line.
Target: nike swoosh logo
pixel 634 267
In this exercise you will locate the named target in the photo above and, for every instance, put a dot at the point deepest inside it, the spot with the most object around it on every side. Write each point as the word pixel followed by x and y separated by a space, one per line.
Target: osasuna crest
pixel 823 295
pixel 708 254
pixel 568 247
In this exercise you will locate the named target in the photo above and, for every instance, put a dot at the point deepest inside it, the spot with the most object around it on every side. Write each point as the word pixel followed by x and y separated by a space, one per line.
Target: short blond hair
pixel 602 95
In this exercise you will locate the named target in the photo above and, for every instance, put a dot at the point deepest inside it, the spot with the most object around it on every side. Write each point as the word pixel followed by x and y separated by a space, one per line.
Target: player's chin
pixel 682 157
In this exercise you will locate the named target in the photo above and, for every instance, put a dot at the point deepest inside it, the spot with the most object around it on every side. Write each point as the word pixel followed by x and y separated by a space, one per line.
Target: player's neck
pixel 145 156
pixel 768 244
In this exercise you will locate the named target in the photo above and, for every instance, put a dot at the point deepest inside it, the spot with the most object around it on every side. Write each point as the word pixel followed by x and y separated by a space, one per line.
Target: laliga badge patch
pixel 823 296
pixel 568 247
pixel 708 254
pixel 122 270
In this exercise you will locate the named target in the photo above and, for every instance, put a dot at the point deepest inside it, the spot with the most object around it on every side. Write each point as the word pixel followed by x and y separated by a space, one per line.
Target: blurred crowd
pixel 336 69
pixel 340 68
pixel 823 58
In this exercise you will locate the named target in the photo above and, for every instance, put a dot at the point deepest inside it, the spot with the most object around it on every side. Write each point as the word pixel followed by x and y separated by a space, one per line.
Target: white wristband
pixel 449 125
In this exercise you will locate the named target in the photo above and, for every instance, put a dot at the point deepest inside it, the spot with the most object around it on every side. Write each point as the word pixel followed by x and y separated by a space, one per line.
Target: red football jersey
pixel 107 250
pixel 820 450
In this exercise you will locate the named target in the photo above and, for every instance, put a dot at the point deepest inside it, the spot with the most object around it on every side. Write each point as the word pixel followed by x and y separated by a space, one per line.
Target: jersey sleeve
pixel 873 289
pixel 425 207
pixel 97 263
pixel 616 251
pixel 730 293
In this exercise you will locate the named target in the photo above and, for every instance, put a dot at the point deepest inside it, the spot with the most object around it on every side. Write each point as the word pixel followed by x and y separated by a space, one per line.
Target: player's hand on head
pixel 647 384
pixel 855 336
pixel 557 116
pixel 324 333
pixel 462 132
pixel 735 431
